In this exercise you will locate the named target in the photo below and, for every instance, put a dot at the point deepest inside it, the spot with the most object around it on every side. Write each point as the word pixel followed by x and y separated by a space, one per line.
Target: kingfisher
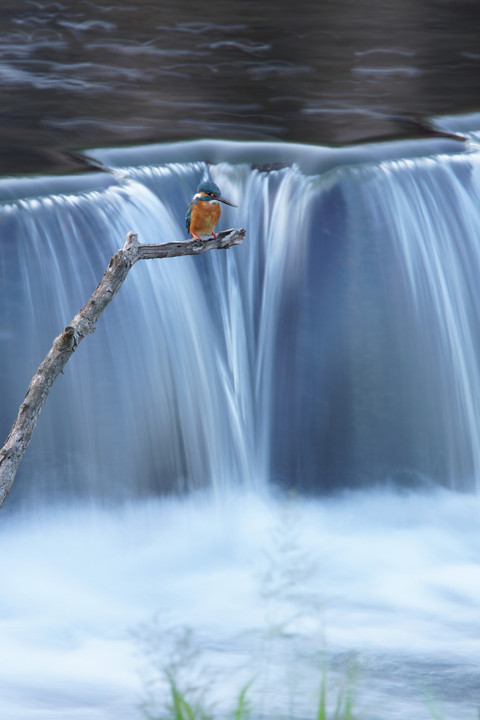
pixel 204 211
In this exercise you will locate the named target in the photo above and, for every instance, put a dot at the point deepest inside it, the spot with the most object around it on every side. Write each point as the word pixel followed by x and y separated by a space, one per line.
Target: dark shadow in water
pixel 80 73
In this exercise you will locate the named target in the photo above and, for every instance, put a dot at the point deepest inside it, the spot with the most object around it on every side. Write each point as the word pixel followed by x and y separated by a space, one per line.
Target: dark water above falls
pixel 335 350
pixel 77 73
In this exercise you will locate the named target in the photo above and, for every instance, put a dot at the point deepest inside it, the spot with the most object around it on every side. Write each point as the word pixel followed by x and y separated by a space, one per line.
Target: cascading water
pixel 334 349
pixel 427 212
pixel 174 391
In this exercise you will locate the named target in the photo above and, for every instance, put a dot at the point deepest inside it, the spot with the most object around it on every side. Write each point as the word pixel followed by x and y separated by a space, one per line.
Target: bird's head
pixel 209 191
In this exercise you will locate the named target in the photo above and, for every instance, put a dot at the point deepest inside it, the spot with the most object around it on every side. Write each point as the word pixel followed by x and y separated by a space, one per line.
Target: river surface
pixel 78 73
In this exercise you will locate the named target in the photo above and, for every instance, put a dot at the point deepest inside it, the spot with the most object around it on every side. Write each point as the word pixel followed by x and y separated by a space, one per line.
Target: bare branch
pixel 82 324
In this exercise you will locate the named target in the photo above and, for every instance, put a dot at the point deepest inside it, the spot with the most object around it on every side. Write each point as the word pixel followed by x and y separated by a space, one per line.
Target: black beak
pixel 224 200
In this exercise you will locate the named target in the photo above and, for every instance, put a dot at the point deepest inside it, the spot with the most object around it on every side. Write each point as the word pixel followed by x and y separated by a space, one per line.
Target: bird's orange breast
pixel 205 216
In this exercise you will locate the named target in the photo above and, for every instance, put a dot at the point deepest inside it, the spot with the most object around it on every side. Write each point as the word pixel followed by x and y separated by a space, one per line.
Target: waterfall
pixel 428 213
pixel 335 347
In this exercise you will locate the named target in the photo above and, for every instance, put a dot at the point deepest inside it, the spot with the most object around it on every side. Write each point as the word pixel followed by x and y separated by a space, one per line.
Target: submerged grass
pixel 181 687
pixel 180 684
pixel 181 708
pixel 182 701
pixel 344 705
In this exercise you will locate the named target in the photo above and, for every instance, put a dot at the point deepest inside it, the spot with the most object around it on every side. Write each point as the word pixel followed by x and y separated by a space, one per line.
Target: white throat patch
pixel 200 195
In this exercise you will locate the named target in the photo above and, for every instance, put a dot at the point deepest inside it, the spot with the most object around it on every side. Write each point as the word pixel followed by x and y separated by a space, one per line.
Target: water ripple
pixel 253 48
pixel 131 48
pixel 88 25
pixel 385 51
pixel 278 68
pixel 388 71
pixel 198 28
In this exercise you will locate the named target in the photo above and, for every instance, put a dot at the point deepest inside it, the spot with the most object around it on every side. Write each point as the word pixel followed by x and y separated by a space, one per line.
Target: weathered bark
pixel 82 324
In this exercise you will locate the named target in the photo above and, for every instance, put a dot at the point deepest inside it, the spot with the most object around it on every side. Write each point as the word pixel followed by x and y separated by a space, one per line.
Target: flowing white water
pixel 336 346
pixel 435 206
pixel 180 374
pixel 270 590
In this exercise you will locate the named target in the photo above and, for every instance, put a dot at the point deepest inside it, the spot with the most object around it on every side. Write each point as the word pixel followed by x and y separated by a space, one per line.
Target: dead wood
pixel 82 324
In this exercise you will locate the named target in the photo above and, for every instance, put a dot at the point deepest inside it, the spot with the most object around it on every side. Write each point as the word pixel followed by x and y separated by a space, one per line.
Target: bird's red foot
pixel 214 234
pixel 195 236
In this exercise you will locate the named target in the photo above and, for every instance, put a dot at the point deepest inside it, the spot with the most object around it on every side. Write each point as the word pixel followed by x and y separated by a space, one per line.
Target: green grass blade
pixel 338 708
pixel 242 711
pixel 322 703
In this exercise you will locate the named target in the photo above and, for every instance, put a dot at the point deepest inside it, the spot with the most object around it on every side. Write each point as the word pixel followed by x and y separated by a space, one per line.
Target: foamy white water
pixel 394 578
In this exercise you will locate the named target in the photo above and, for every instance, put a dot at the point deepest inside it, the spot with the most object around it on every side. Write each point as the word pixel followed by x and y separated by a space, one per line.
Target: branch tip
pixel 132 240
